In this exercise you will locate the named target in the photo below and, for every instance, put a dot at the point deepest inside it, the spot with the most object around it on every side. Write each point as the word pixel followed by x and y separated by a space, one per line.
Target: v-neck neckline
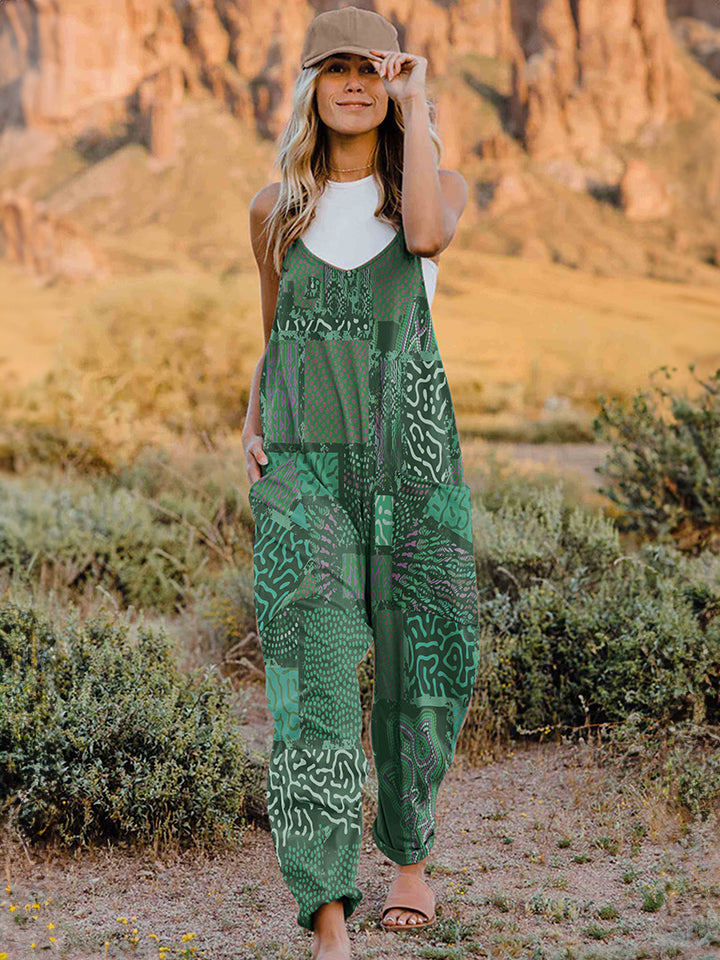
pixel 332 266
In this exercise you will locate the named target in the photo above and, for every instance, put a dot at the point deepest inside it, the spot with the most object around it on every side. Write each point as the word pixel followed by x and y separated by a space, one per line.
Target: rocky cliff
pixel 584 70
pixel 585 76
pixel 593 71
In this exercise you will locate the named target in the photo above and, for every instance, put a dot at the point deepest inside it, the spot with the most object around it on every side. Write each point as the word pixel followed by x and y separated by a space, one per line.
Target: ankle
pixel 328 921
pixel 413 868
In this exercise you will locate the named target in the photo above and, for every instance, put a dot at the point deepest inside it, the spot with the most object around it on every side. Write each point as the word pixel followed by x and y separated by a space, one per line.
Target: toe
pixel 402 918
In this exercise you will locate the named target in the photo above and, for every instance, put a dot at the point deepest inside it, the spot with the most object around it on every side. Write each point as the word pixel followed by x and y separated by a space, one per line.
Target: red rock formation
pixel 644 192
pixel 158 97
pixel 586 74
pixel 44 242
pixel 64 63
pixel 584 70
pixel 593 72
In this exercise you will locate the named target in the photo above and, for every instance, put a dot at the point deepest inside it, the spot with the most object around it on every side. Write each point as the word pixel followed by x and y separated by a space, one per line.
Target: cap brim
pixel 363 51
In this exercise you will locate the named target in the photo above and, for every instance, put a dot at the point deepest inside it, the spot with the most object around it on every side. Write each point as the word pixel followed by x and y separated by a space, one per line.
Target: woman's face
pixel 345 79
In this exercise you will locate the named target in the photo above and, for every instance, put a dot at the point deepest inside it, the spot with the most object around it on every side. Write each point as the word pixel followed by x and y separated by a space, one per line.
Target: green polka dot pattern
pixel 363 535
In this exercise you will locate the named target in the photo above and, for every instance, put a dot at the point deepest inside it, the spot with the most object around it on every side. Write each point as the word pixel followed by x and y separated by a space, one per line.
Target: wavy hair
pixel 303 159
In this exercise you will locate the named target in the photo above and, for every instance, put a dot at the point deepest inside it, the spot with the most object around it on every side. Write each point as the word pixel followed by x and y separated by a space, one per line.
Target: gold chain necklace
pixel 347 170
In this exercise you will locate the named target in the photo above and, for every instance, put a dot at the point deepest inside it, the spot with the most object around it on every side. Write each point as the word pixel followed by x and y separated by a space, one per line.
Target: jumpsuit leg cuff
pixel 404 856
pixel 350 900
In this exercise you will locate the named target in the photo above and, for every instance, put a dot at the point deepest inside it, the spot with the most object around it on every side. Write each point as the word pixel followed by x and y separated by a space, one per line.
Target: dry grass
pixel 518 340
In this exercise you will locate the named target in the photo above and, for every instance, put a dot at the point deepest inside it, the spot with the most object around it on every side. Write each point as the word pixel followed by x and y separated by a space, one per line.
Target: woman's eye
pixel 369 68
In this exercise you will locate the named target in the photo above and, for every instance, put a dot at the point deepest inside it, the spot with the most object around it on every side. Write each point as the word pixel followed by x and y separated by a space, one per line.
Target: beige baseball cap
pixel 347 30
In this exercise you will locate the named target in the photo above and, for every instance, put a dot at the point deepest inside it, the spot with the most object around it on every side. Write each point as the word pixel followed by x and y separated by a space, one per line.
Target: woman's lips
pixel 354 106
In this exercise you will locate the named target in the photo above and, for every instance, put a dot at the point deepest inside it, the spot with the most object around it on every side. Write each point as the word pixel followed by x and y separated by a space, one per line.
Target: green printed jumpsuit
pixel 363 535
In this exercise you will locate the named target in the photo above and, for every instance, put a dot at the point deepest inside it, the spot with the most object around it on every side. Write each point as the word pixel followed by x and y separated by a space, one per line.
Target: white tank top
pixel 345 233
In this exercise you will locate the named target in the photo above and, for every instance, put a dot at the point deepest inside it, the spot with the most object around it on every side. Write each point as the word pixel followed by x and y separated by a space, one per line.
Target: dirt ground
pixel 573 462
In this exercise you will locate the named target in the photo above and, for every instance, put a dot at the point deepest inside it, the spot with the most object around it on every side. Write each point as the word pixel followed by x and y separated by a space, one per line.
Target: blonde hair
pixel 303 161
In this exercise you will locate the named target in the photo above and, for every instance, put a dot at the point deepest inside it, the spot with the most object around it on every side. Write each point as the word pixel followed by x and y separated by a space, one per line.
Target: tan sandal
pixel 409 892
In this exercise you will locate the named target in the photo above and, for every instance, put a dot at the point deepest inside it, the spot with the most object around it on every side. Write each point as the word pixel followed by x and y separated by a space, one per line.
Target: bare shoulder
pixel 455 193
pixel 260 208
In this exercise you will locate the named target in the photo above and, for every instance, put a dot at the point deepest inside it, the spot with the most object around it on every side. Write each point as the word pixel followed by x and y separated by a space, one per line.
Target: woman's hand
pixel 403 73
pixel 254 456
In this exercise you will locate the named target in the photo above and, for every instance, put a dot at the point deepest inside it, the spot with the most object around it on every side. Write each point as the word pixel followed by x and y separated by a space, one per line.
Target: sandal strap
pixel 409 892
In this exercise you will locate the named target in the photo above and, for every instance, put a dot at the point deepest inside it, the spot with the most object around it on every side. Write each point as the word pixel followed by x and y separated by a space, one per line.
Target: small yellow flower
pixel 51 926
pixel 52 939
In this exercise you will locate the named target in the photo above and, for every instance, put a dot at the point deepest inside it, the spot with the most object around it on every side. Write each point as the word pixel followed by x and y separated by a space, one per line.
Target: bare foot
pixel 330 936
pixel 399 917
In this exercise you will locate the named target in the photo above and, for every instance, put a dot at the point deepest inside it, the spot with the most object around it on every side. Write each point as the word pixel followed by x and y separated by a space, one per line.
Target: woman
pixel 362 515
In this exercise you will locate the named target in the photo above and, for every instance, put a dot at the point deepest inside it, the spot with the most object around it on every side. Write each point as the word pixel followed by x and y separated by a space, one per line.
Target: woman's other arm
pixel 260 206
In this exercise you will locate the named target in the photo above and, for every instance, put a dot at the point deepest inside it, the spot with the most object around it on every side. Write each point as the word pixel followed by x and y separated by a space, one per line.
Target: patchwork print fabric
pixel 363 535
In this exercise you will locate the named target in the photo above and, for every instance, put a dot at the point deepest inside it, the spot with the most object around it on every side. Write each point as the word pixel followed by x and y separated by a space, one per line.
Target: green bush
pixel 103 738
pixel 84 534
pixel 665 474
pixel 573 631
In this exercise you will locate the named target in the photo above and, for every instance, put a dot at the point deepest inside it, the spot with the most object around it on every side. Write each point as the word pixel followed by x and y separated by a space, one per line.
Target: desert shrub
pixel 533 534
pixel 82 534
pixel 103 738
pixel 681 759
pixel 154 533
pixel 574 632
pixel 201 494
pixel 665 470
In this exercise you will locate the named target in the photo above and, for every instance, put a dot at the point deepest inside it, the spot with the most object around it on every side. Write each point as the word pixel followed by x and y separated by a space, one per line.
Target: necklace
pixel 349 169
pixel 346 170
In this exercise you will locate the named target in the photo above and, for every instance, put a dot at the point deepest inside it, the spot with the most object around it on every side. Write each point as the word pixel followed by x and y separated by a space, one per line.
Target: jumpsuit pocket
pixel 281 549
pixel 440 574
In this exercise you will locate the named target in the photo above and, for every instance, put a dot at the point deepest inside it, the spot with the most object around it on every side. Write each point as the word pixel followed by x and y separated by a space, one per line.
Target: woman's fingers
pixel 255 455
